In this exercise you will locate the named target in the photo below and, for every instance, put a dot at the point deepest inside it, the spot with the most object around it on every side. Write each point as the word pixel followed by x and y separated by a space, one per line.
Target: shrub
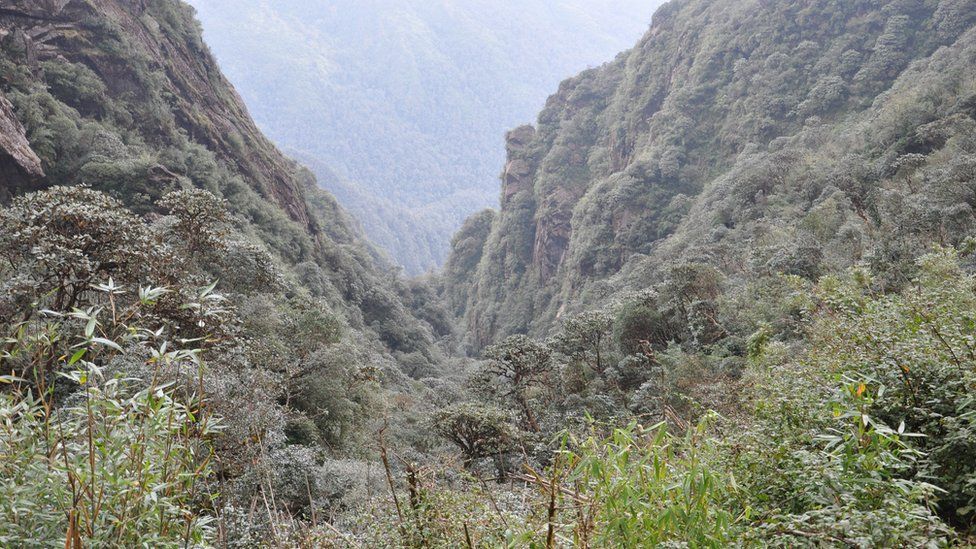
pixel 639 324
pixel 478 431
pixel 57 243
pixel 90 461
pixel 915 355
pixel 642 488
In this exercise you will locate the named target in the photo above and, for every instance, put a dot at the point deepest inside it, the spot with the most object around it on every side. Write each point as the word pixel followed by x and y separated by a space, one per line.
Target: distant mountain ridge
pixel 407 102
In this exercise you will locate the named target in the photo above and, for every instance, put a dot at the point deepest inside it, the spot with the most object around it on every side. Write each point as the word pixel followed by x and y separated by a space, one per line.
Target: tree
pixel 478 431
pixel 56 244
pixel 584 337
pixel 523 364
pixel 640 326
pixel 200 218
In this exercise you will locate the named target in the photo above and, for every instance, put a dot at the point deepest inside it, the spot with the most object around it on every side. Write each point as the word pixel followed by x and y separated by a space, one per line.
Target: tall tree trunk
pixel 530 422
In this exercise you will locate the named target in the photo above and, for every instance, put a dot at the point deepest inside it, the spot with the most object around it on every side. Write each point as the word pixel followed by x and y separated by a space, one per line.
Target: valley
pixel 400 107
pixel 726 298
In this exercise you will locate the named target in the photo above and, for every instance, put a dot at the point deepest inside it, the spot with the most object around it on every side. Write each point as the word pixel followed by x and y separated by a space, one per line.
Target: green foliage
pixel 56 244
pixel 200 218
pixel 477 431
pixel 127 469
pixel 586 338
pixel 639 324
pixel 335 388
pixel 101 114
pixel 759 342
pixel 861 440
pixel 276 366
pixel 521 365
pixel 776 152
pixel 467 247
pixel 914 355
pixel 643 488
pixel 685 212
pixel 92 458
pixel 75 82
pixel 835 476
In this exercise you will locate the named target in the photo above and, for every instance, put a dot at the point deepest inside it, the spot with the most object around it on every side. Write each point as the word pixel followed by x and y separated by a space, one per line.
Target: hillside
pixel 400 107
pixel 128 100
pixel 782 149
pixel 145 220
pixel 754 232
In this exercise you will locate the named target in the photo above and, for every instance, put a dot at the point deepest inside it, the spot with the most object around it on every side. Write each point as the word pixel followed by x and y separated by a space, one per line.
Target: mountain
pixel 784 148
pixel 754 232
pixel 128 100
pixel 164 263
pixel 400 107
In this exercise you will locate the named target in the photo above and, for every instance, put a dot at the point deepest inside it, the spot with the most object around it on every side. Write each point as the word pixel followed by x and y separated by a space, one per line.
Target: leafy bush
pixel 91 460
pixel 640 324
pixel 642 487
pixel 477 431
pixel 56 244
pixel 914 353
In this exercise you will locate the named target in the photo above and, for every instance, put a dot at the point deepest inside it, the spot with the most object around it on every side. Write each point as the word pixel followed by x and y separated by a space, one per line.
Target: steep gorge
pixel 400 106
pixel 755 232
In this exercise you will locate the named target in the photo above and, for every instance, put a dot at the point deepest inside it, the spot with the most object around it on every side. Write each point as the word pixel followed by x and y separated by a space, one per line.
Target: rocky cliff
pixel 19 163
pixel 406 101
pixel 163 39
pixel 125 97
pixel 691 147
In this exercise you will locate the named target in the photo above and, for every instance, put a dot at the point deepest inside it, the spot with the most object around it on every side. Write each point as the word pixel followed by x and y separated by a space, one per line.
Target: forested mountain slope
pixel 753 232
pixel 407 102
pixel 125 98
pixel 729 300
pixel 748 137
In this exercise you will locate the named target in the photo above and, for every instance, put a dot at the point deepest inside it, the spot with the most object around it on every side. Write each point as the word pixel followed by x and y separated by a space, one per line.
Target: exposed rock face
pixel 33 9
pixel 626 159
pixel 552 230
pixel 552 234
pixel 519 170
pixel 19 163
pixel 205 104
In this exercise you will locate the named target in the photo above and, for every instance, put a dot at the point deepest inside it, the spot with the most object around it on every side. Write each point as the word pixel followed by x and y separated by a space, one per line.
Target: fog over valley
pixel 400 106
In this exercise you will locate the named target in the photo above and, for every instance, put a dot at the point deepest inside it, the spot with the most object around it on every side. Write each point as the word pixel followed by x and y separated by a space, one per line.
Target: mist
pixel 401 107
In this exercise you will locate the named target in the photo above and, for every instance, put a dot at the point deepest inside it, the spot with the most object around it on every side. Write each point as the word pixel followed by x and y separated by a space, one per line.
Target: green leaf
pixel 77 356
pixel 207 290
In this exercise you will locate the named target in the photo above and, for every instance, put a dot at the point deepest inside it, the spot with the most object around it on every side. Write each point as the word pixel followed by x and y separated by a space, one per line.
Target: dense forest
pixel 728 299
pixel 400 107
